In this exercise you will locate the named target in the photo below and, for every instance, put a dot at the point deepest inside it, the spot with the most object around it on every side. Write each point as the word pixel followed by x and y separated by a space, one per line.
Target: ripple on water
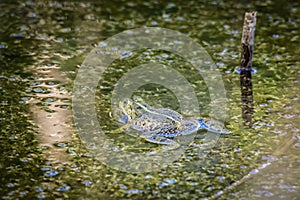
pixel 61 144
pixel 289 116
pixel 41 196
pixel 221 178
pixel 51 83
pixel 11 185
pixel 46 168
pixel 51 174
pixel 133 191
pixel 23 193
pixel 88 183
pixel 237 149
pixel 64 188
pixel 166 182
pixel 38 90
pixel 224 166
pixel 17 35
pixel 280 132
pixel 269 158
pixel 49 100
pixel 25 98
pixel 38 189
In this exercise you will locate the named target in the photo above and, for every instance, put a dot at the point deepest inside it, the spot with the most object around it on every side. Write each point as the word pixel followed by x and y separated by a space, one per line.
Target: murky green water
pixel 43 44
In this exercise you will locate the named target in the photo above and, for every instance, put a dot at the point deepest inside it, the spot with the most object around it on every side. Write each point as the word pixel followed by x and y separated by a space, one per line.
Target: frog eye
pixel 124 119
pixel 138 107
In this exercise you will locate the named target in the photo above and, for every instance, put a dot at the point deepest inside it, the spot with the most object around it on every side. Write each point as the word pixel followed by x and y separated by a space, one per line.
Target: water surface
pixel 44 43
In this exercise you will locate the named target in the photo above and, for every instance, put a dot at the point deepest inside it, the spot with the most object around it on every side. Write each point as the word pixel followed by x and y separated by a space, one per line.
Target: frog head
pixel 130 110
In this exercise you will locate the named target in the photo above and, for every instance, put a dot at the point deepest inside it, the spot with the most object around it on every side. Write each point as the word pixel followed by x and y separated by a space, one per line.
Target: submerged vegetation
pixel 42 45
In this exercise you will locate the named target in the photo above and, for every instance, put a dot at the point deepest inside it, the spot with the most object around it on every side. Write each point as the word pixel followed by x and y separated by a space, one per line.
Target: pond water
pixel 43 46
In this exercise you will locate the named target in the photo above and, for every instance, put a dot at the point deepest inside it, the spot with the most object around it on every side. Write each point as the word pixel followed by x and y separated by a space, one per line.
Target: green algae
pixel 63 33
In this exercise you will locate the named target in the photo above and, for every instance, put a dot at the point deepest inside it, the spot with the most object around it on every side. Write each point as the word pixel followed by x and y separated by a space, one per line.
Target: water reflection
pixel 59 34
pixel 246 96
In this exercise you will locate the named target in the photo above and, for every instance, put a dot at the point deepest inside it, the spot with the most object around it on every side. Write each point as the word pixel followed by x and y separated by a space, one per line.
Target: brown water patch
pixel 51 113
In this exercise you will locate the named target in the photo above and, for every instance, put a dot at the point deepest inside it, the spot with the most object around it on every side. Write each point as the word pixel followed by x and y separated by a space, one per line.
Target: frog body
pixel 161 125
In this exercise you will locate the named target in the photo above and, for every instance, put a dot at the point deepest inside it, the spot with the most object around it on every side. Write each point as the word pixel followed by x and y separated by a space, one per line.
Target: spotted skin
pixel 161 125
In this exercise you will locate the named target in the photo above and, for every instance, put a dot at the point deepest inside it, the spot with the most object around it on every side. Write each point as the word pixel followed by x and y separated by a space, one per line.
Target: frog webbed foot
pixel 168 144
pixel 213 126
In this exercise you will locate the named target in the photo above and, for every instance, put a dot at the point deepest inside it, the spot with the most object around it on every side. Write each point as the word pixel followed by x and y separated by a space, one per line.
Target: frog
pixel 161 125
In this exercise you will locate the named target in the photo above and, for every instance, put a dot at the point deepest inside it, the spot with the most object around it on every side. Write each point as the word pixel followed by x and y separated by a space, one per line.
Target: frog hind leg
pixel 213 126
pixel 168 144
pixel 121 129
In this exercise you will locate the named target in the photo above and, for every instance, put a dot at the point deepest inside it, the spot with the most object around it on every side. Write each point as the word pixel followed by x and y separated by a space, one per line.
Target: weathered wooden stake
pixel 246 66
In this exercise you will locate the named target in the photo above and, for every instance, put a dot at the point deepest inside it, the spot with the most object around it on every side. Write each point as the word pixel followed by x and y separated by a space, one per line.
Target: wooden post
pixel 246 66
